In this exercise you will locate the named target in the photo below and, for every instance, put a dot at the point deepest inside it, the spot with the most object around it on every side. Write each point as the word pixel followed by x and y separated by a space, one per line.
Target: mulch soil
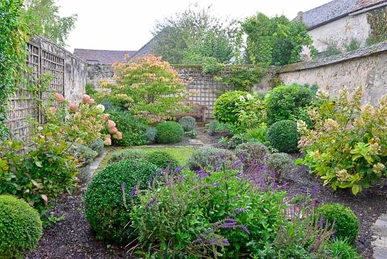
pixel 71 238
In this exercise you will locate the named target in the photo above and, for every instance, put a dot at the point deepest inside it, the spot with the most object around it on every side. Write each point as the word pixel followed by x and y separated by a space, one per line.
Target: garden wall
pixel 68 74
pixel 366 67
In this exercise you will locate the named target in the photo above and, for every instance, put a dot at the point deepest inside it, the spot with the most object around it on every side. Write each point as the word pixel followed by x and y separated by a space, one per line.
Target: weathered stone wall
pixel 98 72
pixel 341 32
pixel 366 67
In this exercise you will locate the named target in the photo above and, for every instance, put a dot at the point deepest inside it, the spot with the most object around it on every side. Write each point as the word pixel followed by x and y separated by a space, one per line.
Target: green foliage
pixel 341 248
pixel 13 53
pixel 251 153
pixel 377 21
pixel 20 227
pixel 127 154
pixel 344 219
pixel 169 132
pixel 211 66
pixel 283 136
pixel 162 160
pixel 42 17
pixel 280 163
pixel 188 123
pixel 192 35
pixel 354 44
pixel 98 146
pixel 243 78
pixel 332 49
pixel 108 196
pixel 151 133
pixel 209 157
pixel 133 130
pixel 287 102
pixel 347 147
pixel 257 134
pixel 215 127
pixel 83 154
pixel 275 41
pixel 239 109
pixel 149 87
pixel 90 89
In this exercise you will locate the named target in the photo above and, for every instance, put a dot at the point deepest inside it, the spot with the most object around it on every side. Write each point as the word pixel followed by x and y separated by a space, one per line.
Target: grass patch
pixel 181 154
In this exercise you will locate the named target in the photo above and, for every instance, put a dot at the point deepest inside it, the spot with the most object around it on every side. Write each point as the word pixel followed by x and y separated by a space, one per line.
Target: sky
pixel 127 25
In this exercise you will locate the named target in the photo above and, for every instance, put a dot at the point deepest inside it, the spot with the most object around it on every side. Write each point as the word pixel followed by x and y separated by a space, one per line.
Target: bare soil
pixel 72 238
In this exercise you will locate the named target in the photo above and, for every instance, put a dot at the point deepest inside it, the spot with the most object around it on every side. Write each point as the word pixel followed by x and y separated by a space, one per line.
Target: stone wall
pixel 366 67
pixel 98 72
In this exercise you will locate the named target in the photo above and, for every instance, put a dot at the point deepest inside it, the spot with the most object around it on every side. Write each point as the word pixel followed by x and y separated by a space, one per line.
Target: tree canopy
pixel 43 19
pixel 193 34
pixel 276 41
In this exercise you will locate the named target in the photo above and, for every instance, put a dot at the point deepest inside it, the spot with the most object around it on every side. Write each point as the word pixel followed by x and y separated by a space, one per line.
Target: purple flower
pixel 123 185
pixel 320 224
pixel 132 192
pixel 239 211
pixel 245 229
pixel 202 174
pixel 150 203
pixel 216 167
pixel 236 164
pixel 178 170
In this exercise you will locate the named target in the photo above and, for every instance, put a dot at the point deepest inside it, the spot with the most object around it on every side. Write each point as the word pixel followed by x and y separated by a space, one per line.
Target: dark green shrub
pixel 285 102
pixel 215 127
pixel 162 159
pixel 345 220
pixel 20 227
pixel 252 152
pixel 257 134
pixel 133 131
pixel 342 249
pixel 280 163
pixel 283 136
pixel 106 206
pixel 210 157
pixel 151 134
pixel 227 107
pixel 98 146
pixel 128 154
pixel 169 132
pixel 188 123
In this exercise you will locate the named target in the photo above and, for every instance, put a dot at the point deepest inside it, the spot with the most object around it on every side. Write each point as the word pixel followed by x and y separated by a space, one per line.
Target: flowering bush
pixel 240 109
pixel 148 86
pixel 348 146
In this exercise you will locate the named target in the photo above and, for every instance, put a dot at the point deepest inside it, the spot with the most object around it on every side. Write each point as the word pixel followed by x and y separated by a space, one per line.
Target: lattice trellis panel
pixel 203 89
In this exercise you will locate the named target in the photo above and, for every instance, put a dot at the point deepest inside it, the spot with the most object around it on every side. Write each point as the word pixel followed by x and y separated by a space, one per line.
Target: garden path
pixel 379 244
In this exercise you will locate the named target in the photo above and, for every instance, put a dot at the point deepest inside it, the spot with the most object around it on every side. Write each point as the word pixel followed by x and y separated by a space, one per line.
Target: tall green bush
pixel 169 132
pixel 288 102
pixel 283 136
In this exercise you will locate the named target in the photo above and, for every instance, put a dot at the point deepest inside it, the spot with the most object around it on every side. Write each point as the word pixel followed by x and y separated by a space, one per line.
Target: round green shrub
pixel 286 101
pixel 227 106
pixel 209 156
pixel 169 132
pixel 283 136
pixel 162 159
pixel 105 208
pixel 251 152
pixel 346 222
pixel 129 154
pixel 188 123
pixel 20 227
pixel 280 163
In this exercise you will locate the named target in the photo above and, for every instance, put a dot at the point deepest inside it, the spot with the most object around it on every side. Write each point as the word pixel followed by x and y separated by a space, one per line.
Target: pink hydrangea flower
pixel 59 97
pixel 86 98
pixel 74 107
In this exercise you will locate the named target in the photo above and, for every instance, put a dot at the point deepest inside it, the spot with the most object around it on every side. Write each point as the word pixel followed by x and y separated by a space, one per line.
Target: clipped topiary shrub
pixel 251 152
pixel 287 101
pixel 20 227
pixel 283 136
pixel 162 159
pixel 128 154
pixel 188 123
pixel 169 132
pixel 346 222
pixel 108 199
pixel 280 163
pixel 209 156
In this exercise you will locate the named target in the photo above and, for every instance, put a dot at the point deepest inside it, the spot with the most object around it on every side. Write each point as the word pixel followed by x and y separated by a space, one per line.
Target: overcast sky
pixel 127 25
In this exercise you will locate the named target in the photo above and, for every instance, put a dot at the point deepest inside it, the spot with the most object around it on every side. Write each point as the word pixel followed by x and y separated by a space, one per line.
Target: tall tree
pixel 276 41
pixel 43 19
pixel 193 34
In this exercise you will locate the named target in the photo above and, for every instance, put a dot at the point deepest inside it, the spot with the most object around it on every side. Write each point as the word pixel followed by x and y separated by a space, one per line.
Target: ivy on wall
pixel 377 19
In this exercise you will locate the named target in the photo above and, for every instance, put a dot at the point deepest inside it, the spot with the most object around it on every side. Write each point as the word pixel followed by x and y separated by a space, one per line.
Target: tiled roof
pixel 103 56
pixel 367 3
pixel 328 12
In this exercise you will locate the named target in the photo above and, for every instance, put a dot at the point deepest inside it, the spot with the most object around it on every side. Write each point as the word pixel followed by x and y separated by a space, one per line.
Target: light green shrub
pixel 162 159
pixel 252 152
pixel 127 154
pixel 20 227
pixel 188 123
pixel 280 163
pixel 169 132
pixel 210 157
